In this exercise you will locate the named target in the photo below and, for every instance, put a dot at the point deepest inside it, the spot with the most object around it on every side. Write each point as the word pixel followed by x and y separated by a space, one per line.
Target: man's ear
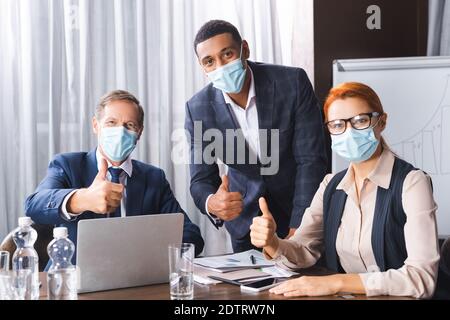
pixel 95 125
pixel 245 50
pixel 140 132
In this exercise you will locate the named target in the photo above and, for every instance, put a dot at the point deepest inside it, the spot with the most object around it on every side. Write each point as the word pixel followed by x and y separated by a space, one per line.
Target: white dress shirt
pixel 126 166
pixel 247 119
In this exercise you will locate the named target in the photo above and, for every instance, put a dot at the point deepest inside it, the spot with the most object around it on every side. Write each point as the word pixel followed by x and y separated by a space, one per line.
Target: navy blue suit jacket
pixel 285 101
pixel 148 192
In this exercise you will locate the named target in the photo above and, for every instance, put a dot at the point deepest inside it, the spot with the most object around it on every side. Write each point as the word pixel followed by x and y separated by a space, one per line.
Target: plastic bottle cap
pixel 25 221
pixel 60 232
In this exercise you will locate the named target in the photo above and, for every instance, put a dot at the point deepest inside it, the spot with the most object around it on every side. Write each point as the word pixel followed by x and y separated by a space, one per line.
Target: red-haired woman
pixel 375 222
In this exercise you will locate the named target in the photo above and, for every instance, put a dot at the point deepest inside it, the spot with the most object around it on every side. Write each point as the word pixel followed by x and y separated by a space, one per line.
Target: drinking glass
pixel 181 273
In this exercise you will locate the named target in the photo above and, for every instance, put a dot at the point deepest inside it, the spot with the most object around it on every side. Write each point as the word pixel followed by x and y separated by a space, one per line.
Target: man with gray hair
pixel 106 182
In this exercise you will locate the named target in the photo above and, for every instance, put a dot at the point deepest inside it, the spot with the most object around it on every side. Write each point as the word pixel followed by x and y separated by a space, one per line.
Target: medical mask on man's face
pixel 355 145
pixel 230 77
pixel 117 142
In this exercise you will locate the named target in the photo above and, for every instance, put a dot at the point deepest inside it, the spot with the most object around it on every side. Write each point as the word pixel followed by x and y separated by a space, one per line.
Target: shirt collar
pixel 251 92
pixel 126 166
pixel 380 175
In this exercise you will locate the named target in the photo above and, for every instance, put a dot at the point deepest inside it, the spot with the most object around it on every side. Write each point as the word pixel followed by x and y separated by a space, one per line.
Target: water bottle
pixel 25 258
pixel 62 276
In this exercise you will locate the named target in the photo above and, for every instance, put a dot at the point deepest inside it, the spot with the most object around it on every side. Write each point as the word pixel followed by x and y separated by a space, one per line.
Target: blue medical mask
pixel 229 78
pixel 355 145
pixel 117 142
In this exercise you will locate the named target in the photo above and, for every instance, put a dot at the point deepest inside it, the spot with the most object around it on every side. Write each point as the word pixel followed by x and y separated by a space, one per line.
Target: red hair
pixel 353 90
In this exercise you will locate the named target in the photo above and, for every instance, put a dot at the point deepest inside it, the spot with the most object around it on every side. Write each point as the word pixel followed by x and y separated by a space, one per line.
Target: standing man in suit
pixel 106 182
pixel 275 110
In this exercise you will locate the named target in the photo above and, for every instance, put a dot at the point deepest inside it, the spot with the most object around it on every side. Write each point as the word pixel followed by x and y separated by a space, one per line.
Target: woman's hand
pixel 263 228
pixel 309 286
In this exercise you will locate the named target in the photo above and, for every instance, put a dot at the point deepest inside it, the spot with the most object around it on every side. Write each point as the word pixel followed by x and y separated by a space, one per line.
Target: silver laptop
pixel 126 252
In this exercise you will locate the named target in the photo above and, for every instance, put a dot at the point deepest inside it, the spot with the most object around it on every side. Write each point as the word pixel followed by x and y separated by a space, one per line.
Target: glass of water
pixel 181 276
pixel 4 261
pixel 14 285
pixel 6 286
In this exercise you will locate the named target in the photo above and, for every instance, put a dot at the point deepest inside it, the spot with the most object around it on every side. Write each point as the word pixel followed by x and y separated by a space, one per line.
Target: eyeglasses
pixel 360 122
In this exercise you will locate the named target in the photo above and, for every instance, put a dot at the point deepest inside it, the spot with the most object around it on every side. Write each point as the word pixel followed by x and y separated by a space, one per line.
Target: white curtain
pixel 58 57
pixel 439 28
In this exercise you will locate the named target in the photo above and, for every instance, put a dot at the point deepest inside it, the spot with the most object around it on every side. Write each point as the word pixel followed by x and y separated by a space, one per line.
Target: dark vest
pixel 388 238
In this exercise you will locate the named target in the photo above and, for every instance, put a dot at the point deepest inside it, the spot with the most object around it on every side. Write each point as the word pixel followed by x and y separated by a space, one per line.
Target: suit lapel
pixel 225 121
pixel 224 118
pixel 91 168
pixel 265 91
pixel 136 186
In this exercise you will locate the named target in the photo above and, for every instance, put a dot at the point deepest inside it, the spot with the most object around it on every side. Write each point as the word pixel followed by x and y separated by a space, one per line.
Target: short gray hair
pixel 119 95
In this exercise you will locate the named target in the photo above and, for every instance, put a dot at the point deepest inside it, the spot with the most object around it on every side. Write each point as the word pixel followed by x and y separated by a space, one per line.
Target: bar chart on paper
pixel 415 93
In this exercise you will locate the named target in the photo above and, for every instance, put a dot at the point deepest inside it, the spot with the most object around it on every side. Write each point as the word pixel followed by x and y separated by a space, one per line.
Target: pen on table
pixel 252 258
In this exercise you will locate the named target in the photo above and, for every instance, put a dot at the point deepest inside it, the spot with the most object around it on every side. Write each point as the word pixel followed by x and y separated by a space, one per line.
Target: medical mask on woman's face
pixel 355 145
pixel 117 142
pixel 229 78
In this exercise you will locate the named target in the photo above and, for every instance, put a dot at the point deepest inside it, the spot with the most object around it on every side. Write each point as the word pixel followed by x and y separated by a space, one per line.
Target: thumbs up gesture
pixel 102 171
pixel 224 204
pixel 263 228
pixel 102 196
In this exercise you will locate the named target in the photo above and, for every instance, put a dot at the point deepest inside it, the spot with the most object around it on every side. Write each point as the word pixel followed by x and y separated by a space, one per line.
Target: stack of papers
pixel 233 262
pixel 201 275
pixel 278 272
pixel 239 267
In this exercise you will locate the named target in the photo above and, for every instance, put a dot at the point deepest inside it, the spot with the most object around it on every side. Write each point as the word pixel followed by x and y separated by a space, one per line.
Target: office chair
pixel 443 287
pixel 445 257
